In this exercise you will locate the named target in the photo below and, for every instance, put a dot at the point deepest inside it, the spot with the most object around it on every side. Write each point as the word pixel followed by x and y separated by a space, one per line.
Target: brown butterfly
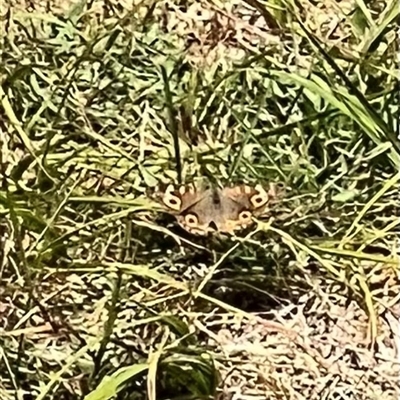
pixel 210 210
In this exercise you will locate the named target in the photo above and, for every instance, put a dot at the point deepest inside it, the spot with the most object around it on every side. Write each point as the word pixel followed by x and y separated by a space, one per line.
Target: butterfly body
pixel 209 210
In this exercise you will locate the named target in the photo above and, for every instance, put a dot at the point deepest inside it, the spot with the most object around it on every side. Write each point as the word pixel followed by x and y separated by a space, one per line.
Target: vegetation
pixel 102 295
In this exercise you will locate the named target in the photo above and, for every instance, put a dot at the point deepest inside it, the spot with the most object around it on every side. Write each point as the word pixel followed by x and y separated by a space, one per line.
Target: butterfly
pixel 201 211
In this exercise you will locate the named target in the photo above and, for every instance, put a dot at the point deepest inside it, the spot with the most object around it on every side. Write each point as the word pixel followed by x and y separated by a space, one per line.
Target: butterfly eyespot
pixel 173 202
pixel 277 190
pixel 191 220
pixel 245 216
pixel 259 199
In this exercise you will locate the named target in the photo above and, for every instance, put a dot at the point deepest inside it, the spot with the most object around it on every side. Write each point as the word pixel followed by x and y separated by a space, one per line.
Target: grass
pixel 102 296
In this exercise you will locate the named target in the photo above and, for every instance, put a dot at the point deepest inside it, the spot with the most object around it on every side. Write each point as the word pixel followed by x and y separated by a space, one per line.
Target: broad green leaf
pixel 111 385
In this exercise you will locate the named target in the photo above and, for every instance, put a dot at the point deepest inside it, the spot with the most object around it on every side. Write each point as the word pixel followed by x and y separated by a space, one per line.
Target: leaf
pixel 346 195
pixel 76 10
pixel 111 385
